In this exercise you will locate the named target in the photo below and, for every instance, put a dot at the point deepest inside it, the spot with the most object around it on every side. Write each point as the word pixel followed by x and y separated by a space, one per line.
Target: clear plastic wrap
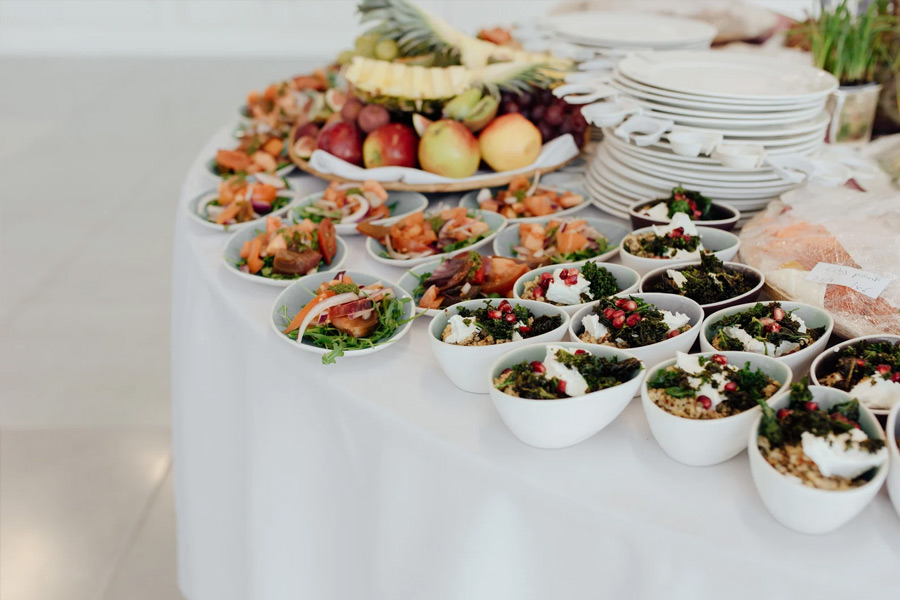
pixel 837 226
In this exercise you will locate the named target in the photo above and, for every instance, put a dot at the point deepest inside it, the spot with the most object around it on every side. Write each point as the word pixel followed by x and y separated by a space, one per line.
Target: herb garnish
pixel 599 373
pixel 707 283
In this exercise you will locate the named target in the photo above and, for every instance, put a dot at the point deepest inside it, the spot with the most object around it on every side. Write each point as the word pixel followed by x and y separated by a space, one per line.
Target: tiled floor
pixel 92 154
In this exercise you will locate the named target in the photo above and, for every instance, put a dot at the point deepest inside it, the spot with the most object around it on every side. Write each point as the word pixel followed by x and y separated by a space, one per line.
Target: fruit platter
pixel 420 106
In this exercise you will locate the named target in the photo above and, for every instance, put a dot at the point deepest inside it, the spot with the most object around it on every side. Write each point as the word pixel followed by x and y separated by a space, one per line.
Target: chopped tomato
pixel 274 147
pixel 254 262
pixel 228 213
pixel 327 240
pixel 478 276
pixel 234 160
pixel 430 298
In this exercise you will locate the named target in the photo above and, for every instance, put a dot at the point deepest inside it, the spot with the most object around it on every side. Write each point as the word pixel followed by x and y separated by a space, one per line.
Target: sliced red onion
pixel 273 180
pixel 534 185
pixel 261 208
pixel 321 307
pixel 351 307
pixel 359 213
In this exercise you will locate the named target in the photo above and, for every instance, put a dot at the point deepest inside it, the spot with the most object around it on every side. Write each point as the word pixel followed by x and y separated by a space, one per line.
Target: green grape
pixel 387 50
pixel 345 57
pixel 365 45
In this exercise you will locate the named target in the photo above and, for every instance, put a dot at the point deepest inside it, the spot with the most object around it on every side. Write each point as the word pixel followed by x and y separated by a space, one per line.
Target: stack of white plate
pixel 746 98
pixel 615 31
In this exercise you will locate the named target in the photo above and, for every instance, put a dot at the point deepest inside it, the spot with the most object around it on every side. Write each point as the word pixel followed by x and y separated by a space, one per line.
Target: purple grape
pixel 510 107
pixel 537 112
pixel 553 115
pixel 526 100
pixel 546 131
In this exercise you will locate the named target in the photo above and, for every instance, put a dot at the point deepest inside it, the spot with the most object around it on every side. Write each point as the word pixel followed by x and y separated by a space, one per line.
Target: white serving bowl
pixel 567 421
pixel 660 351
pixel 297 295
pixel 199 202
pixel 407 203
pixel 893 434
pixel 377 251
pixel 231 254
pixel 726 216
pixel 649 280
pixel 627 280
pixel 803 508
pixel 798 361
pixel 824 363
pixel 700 443
pixel 468 367
pixel 614 232
pixel 470 202
pixel 723 244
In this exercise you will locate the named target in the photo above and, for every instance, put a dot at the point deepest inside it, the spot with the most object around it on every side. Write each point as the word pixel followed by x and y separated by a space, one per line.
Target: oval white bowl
pixel 723 244
pixel 803 508
pixel 700 443
pixel 469 201
pixel 893 434
pixel 614 232
pixel 567 421
pixel 407 203
pixel 748 296
pixel 374 248
pixel 799 361
pixel 231 254
pixel 468 367
pixel 193 208
pixel 301 291
pixel 654 353
pixel 626 279
pixel 818 367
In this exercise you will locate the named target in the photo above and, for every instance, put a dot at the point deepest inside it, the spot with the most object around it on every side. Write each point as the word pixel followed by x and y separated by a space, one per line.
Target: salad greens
pixel 707 283
pixel 766 323
pixel 599 373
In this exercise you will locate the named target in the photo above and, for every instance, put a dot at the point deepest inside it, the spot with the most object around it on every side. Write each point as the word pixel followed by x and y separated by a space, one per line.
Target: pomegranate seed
pixel 538 292
pixel 580 351
pixel 524 329
pixel 778 313
pixel 617 322
pixel 633 320
pixel 537 366
pixel 673 333
pixel 705 401
pixel 882 369
pixel 629 305
pixel 618 313
pixel 719 358
pixel 505 306
pixel 511 318
pixel 860 362
pixel 573 272
pixel 896 377
pixel 546 277
pixel 697 214
pixel 505 371
pixel 677 233
pixel 561 387
pixel 571 279
pixel 564 274
pixel 494 314
pixel 692 205
pixel 774 327
pixel 782 413
pixel 687 237
pixel 811 405
pixel 621 301
pixel 766 321
pixel 730 386
pixel 608 312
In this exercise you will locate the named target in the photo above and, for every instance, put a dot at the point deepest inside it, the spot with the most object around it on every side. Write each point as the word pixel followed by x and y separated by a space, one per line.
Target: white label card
pixel 863 282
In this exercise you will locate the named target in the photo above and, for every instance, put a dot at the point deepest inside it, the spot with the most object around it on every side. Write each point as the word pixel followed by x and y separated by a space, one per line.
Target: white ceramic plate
pixel 199 202
pixel 297 295
pixel 378 252
pixel 407 203
pixel 635 29
pixel 729 124
pixel 657 167
pixel 232 254
pixel 470 202
pixel 728 75
pixel 733 118
pixel 613 231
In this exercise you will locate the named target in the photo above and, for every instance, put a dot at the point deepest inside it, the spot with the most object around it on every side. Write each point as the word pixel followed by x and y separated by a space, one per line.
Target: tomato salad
pixel 418 235
pixel 289 251
pixel 349 203
pixel 240 200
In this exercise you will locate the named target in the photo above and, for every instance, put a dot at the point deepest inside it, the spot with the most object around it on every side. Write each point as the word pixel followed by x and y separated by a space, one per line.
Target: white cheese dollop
pixel 575 382
pixel 802 326
pixel 756 346
pixel 594 327
pixel 677 277
pixel 675 320
pixel 688 363
pixel 562 293
pixel 516 336
pixel 484 194
pixel 679 220
pixel 461 329
pixel 840 454
pixel 659 212
pixel 877 392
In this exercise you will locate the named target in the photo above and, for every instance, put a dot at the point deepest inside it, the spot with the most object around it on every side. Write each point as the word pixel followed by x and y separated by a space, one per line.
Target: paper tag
pixel 863 282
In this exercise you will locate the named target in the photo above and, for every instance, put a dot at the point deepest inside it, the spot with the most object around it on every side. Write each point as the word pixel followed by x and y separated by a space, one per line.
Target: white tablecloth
pixel 377 478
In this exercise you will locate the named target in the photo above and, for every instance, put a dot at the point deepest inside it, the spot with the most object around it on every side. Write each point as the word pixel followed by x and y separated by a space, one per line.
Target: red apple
pixel 342 140
pixel 447 148
pixel 391 145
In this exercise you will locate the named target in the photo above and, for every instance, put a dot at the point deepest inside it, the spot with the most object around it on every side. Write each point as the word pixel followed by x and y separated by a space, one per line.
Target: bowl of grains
pixel 893 442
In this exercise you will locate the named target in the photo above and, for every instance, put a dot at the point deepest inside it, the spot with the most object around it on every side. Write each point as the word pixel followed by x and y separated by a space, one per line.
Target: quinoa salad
pixel 820 448
pixel 694 204
pixel 679 239
pixel 764 329
pixel 707 283
pixel 868 371
pixel 564 374
pixel 700 387
pixel 567 286
pixel 631 323
pixel 489 325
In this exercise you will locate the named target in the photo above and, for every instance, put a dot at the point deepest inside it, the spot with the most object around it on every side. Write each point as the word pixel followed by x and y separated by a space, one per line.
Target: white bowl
pixel 821 366
pixel 723 244
pixel 198 202
pixel 567 421
pixel 292 299
pixel 231 254
pixel 626 280
pixel 798 361
pixel 468 367
pixel 700 443
pixel 650 278
pixel 495 221
pixel 614 232
pixel 470 202
pixel 740 156
pixel 893 434
pixel 803 508
pixel 407 203
pixel 660 351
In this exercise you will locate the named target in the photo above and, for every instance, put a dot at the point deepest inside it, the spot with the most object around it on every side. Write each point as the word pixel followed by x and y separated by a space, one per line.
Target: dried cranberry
pixel 537 366
pixel 511 317
pixel 705 401
pixel 494 314
pixel 811 405
pixel 629 305
pixel 882 369
pixel 730 386
pixel 561 387
pixel 505 306
pixel 778 313
pixel 633 320
pixel 719 358
pixel 673 333
pixel 617 322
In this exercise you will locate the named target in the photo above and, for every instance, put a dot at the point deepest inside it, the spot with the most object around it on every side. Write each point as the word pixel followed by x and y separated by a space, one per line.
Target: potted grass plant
pixel 852 47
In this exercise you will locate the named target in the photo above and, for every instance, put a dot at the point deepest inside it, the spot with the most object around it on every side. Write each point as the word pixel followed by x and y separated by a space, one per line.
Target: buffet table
pixel 377 478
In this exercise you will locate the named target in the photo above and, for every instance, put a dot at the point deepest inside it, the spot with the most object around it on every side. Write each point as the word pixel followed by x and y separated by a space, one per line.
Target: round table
pixel 377 478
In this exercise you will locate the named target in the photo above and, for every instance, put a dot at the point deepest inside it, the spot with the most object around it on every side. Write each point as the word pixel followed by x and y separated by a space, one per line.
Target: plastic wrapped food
pixel 837 226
